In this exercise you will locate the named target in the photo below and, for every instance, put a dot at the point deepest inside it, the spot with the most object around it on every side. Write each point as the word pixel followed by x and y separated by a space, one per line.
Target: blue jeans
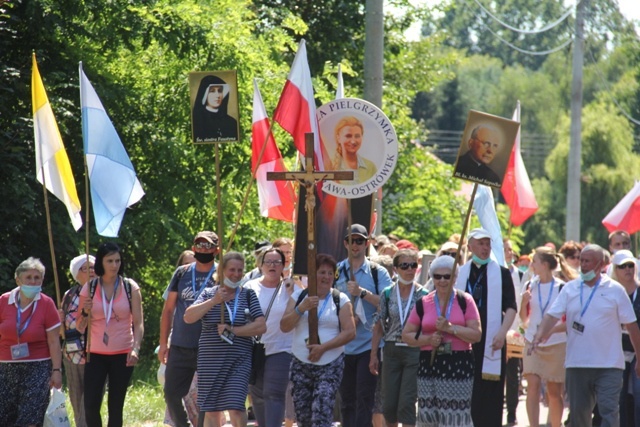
pixel 269 391
pixel 630 403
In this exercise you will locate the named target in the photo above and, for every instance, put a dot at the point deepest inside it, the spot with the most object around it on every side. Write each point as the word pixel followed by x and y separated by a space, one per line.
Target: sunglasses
pixel 408 265
pixel 272 263
pixel 451 254
pixel 358 241
pixel 441 276
pixel 625 266
pixel 205 245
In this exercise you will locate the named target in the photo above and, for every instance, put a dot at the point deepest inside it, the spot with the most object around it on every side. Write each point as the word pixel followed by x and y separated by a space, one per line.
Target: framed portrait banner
pixel 485 148
pixel 358 137
pixel 214 106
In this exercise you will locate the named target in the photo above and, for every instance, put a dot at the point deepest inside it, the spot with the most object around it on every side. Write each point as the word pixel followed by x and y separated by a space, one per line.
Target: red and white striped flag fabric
pixel 516 187
pixel 296 110
pixel 277 198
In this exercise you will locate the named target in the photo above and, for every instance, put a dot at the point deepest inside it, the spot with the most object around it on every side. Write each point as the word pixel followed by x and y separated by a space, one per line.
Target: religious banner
pixel 358 137
pixel 485 148
pixel 214 106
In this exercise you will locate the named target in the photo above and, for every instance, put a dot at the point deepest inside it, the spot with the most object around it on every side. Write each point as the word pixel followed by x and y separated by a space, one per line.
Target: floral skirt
pixel 444 389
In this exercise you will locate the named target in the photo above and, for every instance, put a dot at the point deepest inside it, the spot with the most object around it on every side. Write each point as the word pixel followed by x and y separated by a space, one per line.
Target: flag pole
pixel 458 254
pixel 50 233
pixel 246 194
pixel 86 229
pixel 219 207
pixel 513 189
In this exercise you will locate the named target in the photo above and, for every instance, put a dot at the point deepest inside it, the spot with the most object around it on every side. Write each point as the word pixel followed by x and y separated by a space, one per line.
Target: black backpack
pixel 374 275
pixel 462 302
pixel 336 300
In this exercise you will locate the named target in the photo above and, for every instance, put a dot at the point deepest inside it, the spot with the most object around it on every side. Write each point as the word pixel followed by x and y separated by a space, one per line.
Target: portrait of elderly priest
pixel 484 143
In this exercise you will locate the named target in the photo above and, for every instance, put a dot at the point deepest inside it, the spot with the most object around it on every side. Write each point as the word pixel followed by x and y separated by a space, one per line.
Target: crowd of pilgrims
pixel 404 336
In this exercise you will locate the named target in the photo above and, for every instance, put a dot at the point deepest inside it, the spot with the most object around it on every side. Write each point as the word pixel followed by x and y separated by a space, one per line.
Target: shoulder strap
pixel 92 287
pixel 386 295
pixel 374 275
pixel 420 312
pixel 336 300
pixel 127 289
pixel 68 297
pixel 462 301
pixel 301 296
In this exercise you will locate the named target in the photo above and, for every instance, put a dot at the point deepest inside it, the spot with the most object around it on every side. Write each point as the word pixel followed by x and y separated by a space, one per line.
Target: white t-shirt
pixel 600 344
pixel 328 328
pixel 274 340
pixel 540 292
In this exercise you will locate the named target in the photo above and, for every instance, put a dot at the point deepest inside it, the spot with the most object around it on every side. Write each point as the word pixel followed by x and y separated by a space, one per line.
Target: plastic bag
pixel 56 415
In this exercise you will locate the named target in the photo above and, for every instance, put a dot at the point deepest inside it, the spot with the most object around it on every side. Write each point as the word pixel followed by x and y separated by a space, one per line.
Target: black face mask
pixel 203 258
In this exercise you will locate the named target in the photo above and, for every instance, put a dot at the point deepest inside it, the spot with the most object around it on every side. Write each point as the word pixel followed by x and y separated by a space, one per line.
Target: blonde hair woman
pixel 348 134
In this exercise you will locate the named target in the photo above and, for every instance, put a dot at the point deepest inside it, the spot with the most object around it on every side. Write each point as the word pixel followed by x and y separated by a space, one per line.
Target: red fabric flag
pixel 626 214
pixel 296 110
pixel 277 198
pixel 516 187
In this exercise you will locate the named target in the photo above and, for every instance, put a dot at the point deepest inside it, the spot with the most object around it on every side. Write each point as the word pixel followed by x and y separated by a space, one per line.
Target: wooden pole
pixel 458 254
pixel 246 194
pixel 86 248
pixel 219 207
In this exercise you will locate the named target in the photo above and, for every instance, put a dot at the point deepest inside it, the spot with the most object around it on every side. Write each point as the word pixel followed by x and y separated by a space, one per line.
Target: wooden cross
pixel 309 178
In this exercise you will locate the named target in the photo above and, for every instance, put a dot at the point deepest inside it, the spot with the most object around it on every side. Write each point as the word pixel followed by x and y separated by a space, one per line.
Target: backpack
pixel 374 274
pixel 462 302
pixel 125 281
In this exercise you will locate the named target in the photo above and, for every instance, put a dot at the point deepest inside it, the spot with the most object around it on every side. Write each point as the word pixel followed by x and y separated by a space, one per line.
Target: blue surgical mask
pixel 30 291
pixel 523 268
pixel 479 261
pixel 588 276
pixel 233 285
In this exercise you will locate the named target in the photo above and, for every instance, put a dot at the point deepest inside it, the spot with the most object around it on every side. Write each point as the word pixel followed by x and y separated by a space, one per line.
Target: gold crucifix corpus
pixel 309 178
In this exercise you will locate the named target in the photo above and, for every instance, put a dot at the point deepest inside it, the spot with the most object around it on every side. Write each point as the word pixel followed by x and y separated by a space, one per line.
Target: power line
pixel 518 30
pixel 530 52
pixel 609 91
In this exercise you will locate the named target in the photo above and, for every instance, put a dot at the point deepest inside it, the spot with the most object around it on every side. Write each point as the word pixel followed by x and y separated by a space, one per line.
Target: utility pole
pixel 572 220
pixel 373 67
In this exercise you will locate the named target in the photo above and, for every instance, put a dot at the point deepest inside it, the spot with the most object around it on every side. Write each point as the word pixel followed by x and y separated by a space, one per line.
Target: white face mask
pixel 404 282
pixel 233 285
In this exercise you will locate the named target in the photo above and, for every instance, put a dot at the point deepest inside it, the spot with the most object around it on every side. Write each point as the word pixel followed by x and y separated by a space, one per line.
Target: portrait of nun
pixel 211 121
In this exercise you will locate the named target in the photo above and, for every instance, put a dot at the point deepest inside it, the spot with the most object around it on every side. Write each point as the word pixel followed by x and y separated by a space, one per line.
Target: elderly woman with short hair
pixel 445 321
pixel 30 357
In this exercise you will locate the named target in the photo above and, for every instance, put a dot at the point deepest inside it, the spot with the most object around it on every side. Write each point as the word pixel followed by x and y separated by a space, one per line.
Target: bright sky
pixel 629 8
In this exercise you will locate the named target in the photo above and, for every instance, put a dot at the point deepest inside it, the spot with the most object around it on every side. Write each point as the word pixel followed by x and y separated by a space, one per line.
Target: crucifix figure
pixel 309 178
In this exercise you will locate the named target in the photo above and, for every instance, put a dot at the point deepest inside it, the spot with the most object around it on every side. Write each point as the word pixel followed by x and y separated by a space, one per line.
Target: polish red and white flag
pixel 277 198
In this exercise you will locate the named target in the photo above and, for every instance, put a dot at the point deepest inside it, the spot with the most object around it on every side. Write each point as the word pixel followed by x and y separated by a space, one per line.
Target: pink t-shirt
pixel 119 327
pixel 456 318
pixel 45 318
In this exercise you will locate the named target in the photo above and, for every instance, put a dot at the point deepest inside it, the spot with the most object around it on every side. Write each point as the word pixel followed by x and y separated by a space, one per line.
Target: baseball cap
pixel 449 246
pixel 405 244
pixel 622 257
pixel 209 236
pixel 357 229
pixel 479 233
pixel 260 246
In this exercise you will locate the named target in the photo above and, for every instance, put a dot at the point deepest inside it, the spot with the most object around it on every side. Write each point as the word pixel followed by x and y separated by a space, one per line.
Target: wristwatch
pixel 56 369
pixel 363 293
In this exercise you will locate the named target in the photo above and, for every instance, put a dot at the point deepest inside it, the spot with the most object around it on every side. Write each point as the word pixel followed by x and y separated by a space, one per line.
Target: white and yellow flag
pixel 52 163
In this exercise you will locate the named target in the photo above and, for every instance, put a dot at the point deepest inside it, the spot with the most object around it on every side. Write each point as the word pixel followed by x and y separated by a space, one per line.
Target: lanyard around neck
pixel 543 308
pixel 196 293
pixel 19 330
pixel 404 312
pixel 593 291
pixel 232 316
pixel 107 311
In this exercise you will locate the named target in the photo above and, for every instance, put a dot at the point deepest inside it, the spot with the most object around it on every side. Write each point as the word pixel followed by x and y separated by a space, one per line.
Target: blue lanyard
pixel 196 293
pixel 439 310
pixel 544 308
pixel 19 316
pixel 326 300
pixel 232 317
pixel 593 291
pixel 471 289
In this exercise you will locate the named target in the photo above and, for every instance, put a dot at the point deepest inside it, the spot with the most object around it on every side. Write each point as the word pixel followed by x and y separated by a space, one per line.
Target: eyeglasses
pixel 84 269
pixel 273 263
pixel 441 276
pixel 358 241
pixel 625 266
pixel 408 265
pixel 205 245
pixel 451 254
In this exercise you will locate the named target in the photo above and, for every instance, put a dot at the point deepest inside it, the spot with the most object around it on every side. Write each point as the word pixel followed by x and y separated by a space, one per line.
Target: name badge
pixel 399 342
pixel 19 351
pixel 73 346
pixel 445 348
pixel 578 327
pixel 228 336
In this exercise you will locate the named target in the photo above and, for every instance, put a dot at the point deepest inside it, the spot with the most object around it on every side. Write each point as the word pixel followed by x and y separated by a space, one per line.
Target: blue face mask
pixel 233 285
pixel 588 276
pixel 477 260
pixel 523 268
pixel 30 291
